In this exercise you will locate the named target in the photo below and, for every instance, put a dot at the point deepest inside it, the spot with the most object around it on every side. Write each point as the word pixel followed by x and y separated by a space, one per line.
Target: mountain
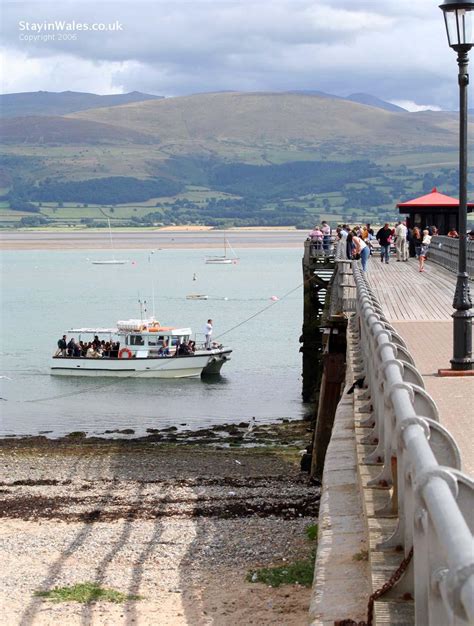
pixel 42 129
pixel 373 101
pixel 52 103
pixel 185 138
pixel 215 121
pixel 361 98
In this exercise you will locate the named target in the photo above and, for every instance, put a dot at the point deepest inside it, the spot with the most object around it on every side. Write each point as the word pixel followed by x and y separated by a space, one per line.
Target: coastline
pixel 181 526
pixel 167 237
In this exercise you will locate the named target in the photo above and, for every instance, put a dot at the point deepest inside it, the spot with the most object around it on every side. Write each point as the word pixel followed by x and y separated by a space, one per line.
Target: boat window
pixel 152 340
pixel 136 340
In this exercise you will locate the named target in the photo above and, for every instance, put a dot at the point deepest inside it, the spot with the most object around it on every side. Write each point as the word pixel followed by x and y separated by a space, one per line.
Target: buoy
pixel 274 298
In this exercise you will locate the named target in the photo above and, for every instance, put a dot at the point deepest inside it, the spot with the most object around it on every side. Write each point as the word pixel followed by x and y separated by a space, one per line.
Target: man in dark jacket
pixel 62 345
pixel 384 237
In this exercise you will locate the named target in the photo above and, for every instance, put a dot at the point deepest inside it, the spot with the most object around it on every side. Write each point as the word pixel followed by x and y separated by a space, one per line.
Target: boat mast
pixel 143 310
pixel 111 241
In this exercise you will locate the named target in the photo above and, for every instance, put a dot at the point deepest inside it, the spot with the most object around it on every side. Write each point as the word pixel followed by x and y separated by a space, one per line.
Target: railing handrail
pixel 432 497
pixel 444 251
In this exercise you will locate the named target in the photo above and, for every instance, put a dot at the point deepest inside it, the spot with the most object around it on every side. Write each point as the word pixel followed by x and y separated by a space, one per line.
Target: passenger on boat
pixel 192 346
pixel 114 350
pixel 92 353
pixel 62 345
pixel 164 350
pixel 96 342
pixel 70 346
pixel 184 350
pixel 208 334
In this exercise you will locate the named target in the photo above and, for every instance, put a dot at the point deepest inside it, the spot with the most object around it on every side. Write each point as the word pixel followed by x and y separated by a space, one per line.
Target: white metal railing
pixel 444 251
pixel 433 499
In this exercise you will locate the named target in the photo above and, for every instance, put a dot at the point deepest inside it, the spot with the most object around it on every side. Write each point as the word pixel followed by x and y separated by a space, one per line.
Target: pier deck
pixel 419 305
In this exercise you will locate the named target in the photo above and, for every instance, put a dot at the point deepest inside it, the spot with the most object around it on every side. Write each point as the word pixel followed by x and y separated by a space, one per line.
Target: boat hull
pixel 109 262
pixel 219 261
pixel 207 362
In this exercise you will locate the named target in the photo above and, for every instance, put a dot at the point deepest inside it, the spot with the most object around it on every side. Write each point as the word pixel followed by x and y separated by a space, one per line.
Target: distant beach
pixel 176 237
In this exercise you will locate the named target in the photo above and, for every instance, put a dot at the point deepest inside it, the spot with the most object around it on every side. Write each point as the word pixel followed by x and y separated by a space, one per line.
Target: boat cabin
pixel 160 342
pixel 140 339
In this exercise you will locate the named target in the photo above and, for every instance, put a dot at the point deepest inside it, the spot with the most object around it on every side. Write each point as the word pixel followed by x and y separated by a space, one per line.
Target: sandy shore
pixel 179 238
pixel 179 525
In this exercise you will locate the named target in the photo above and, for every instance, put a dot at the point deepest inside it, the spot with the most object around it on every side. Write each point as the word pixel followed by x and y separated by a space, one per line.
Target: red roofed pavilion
pixel 433 209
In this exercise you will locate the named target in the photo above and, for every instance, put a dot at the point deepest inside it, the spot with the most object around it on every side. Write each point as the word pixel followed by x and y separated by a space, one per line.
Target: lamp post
pixel 458 19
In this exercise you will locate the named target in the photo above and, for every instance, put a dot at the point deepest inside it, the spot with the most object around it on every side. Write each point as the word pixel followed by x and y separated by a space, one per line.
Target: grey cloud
pixel 175 48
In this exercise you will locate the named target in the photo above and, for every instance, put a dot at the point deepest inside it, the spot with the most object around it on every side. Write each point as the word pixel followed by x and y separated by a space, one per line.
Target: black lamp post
pixel 458 18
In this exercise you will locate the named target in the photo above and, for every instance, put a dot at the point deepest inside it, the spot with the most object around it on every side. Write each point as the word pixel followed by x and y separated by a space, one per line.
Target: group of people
pixel 320 236
pixel 357 242
pixel 95 349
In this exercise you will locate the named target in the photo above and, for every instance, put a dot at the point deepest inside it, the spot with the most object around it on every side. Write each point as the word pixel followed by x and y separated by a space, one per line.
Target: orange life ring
pixel 126 351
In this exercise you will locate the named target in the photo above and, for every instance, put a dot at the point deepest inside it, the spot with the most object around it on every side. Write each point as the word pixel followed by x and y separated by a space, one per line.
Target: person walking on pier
pixel 384 237
pixel 425 244
pixel 401 242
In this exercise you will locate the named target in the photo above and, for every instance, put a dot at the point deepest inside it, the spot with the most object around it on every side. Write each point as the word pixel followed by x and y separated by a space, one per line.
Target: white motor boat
pixel 197 296
pixel 141 349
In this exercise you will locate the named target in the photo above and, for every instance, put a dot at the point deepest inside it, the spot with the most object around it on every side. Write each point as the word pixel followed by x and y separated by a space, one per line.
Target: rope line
pixel 137 374
pixel 259 312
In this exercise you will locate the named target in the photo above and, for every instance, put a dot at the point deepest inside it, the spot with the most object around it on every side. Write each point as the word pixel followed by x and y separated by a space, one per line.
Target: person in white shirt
pixel 401 242
pixel 425 244
pixel 208 334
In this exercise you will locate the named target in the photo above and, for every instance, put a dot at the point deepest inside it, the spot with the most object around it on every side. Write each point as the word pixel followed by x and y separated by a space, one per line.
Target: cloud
pixel 394 49
pixel 413 107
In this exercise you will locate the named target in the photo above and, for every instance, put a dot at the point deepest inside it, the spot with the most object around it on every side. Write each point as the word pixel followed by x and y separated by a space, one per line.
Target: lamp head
pixel 458 17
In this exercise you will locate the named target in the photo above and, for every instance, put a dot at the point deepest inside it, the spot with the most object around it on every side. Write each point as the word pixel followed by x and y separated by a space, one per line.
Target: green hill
pixel 37 130
pixel 223 159
pixel 53 103
pixel 278 119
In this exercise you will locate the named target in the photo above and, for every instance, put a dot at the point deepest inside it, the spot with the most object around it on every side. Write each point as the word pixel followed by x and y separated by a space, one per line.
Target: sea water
pixel 45 293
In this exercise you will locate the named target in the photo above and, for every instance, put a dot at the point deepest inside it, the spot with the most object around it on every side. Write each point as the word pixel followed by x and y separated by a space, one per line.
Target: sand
pixel 176 237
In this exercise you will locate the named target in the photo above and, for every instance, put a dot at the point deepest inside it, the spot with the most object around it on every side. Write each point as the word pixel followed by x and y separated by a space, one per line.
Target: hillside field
pixel 223 159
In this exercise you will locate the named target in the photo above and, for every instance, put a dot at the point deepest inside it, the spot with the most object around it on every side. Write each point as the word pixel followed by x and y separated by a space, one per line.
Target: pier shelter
pixel 433 209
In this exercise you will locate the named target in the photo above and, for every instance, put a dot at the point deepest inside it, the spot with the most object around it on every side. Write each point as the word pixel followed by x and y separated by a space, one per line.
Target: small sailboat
pixel 224 259
pixel 112 261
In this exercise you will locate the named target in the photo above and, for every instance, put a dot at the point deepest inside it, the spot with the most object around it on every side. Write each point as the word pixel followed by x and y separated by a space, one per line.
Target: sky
pixel 394 49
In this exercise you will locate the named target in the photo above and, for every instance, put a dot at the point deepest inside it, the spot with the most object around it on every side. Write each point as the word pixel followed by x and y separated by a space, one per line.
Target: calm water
pixel 45 293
